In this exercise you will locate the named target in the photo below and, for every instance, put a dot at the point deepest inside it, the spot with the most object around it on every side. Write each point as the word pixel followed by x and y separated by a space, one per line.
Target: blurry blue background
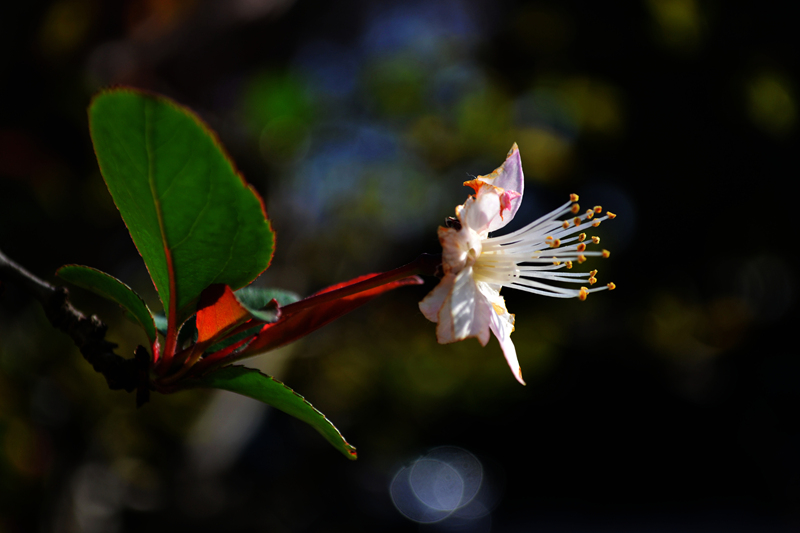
pixel 667 405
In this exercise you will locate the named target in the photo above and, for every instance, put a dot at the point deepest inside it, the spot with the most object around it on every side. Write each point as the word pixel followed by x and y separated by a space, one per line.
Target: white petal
pixel 432 303
pixel 502 325
pixel 480 212
pixel 465 312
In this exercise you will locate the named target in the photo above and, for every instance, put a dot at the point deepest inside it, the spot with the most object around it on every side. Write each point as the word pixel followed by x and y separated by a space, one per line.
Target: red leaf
pixel 217 312
pixel 229 349
pixel 294 325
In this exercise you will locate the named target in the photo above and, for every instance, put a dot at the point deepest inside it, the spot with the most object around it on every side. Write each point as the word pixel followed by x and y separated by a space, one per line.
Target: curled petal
pixel 510 178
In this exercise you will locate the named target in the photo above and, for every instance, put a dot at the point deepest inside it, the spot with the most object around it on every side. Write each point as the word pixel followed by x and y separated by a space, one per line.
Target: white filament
pixel 506 260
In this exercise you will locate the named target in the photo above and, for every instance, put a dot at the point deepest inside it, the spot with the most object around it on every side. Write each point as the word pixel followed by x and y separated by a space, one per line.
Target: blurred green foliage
pixel 672 398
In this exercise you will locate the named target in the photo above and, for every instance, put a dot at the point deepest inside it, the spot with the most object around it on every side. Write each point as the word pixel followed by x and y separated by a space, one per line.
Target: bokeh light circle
pixel 443 483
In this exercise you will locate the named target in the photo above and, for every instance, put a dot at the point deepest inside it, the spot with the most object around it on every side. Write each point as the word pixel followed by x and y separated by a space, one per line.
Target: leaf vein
pixel 165 192
pixel 232 246
pixel 196 221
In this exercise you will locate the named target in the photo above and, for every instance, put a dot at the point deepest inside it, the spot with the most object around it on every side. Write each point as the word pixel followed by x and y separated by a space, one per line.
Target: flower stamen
pixel 514 260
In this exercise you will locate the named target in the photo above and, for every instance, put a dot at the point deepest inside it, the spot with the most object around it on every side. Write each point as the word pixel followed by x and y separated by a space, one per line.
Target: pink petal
pixel 507 202
pixel 509 177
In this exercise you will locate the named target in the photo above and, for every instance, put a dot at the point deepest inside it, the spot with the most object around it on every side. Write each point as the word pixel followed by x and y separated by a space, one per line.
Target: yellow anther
pixel 606 253
pixel 555 244
pixel 581 247
pixel 596 240
pixel 581 237
pixel 568 264
pixel 609 214
pixel 565 224
pixel 573 197
pixel 584 292
pixel 556 262
pixel 592 280
pixel 575 208
pixel 577 221
pixel 593 273
pixel 589 214
pixel 597 223
pixel 598 209
pixel 611 286
pixel 581 258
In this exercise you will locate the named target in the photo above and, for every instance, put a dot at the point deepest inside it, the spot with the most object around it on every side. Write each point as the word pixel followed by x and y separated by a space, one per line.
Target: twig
pixel 88 334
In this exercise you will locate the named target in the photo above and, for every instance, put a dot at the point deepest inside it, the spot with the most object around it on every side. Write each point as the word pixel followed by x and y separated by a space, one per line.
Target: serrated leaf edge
pixel 193 383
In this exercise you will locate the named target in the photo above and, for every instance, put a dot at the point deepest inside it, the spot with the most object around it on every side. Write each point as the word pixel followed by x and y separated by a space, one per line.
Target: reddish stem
pixel 425 264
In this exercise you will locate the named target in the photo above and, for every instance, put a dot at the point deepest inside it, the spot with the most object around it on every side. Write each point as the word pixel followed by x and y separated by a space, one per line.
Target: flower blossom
pixel 467 302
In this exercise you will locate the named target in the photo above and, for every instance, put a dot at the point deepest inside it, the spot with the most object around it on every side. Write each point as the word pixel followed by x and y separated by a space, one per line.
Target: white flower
pixel 467 301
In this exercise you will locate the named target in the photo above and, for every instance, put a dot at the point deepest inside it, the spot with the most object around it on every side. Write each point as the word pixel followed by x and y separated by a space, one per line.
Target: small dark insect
pixel 452 222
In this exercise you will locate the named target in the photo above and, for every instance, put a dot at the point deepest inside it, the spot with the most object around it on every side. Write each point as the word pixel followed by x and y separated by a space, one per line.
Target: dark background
pixel 667 405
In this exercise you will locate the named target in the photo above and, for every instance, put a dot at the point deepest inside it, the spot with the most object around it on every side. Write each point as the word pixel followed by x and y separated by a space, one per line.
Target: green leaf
pixel 259 297
pixel 252 383
pixel 192 217
pixel 112 289
pixel 256 300
pixel 161 322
